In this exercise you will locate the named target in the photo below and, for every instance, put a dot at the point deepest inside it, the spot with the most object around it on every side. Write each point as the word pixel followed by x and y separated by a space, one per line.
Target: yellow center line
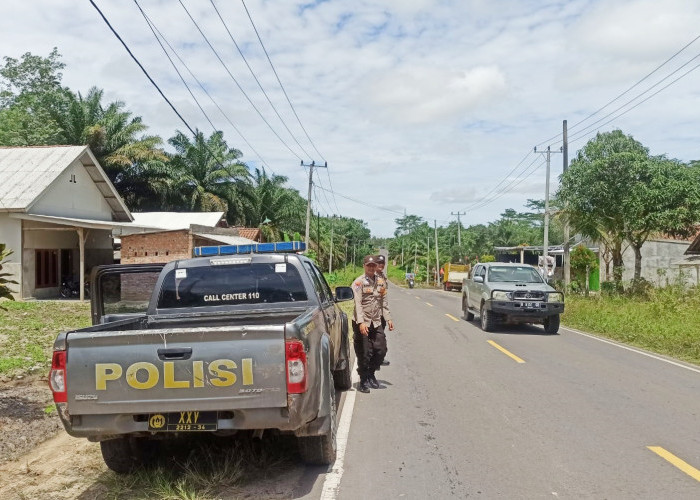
pixel 429 304
pixel 681 464
pixel 452 317
pixel 506 352
pixel 417 297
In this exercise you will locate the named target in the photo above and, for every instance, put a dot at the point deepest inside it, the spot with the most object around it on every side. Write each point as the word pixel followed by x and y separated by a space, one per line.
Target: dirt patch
pixel 26 418
pixel 39 460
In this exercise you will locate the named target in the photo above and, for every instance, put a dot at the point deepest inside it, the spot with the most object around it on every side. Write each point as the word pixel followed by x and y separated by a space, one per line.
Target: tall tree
pixel 208 175
pixel 615 191
pixel 30 96
pixel 273 206
pixel 132 160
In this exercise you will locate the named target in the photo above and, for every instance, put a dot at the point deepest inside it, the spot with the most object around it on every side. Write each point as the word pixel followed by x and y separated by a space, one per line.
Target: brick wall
pixel 156 248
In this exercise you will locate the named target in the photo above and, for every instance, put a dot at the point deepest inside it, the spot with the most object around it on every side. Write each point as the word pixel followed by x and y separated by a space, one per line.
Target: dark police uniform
pixel 370 349
pixel 386 315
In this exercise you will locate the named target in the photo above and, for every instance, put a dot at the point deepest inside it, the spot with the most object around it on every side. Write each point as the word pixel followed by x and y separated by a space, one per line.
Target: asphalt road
pixel 531 416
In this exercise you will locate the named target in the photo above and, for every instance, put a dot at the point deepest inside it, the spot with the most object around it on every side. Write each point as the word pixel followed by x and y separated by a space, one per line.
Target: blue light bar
pixel 278 247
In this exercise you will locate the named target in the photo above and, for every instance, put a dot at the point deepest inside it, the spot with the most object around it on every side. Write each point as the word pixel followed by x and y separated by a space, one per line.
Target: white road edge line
pixel 331 484
pixel 659 358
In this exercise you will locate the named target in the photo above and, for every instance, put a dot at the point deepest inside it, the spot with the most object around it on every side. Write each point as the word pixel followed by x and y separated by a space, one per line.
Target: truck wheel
pixel 126 454
pixel 444 286
pixel 321 450
pixel 468 315
pixel 342 378
pixel 551 324
pixel 487 319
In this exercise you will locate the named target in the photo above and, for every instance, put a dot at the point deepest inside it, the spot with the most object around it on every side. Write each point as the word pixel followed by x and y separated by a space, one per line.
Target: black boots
pixel 373 382
pixel 364 385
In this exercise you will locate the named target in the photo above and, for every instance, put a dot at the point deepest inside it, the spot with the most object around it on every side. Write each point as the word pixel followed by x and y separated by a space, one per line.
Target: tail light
pixel 57 377
pixel 295 355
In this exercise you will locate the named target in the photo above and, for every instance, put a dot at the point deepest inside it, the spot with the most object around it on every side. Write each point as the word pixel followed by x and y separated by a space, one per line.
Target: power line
pixel 201 86
pixel 148 21
pixel 643 101
pixel 143 69
pixel 256 78
pixel 588 128
pixel 284 91
pixel 280 81
pixel 236 81
pixel 625 92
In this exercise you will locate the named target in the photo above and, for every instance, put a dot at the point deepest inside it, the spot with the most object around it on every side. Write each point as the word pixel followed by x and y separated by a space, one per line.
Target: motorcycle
pixel 410 283
pixel 71 289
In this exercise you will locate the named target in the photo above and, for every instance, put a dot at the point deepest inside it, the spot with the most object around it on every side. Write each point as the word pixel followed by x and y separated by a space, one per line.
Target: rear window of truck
pixel 231 285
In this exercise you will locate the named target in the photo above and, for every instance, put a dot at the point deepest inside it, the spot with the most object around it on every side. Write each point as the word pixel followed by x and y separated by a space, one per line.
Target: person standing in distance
pixel 383 282
pixel 368 334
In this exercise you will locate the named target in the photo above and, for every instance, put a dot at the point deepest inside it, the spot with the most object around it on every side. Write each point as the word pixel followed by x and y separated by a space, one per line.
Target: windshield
pixel 513 274
pixel 231 285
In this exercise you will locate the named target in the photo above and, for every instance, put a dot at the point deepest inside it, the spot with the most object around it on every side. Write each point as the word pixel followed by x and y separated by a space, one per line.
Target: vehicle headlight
pixel 555 297
pixel 499 295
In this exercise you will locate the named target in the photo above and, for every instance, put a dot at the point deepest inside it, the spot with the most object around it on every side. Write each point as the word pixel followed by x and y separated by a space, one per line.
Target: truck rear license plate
pixel 185 421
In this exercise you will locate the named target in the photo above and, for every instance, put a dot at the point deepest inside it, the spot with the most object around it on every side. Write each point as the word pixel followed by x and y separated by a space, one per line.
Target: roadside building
pixel 57 212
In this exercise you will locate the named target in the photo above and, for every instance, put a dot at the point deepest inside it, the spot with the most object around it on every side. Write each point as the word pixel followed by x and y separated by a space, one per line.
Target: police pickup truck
pixel 239 338
pixel 510 294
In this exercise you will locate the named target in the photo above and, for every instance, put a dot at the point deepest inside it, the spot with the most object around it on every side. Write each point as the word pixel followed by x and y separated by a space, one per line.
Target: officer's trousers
pixel 370 349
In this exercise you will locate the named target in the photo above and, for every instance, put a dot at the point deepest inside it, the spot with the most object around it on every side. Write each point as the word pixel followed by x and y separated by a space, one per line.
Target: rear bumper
pixel 513 310
pixel 110 426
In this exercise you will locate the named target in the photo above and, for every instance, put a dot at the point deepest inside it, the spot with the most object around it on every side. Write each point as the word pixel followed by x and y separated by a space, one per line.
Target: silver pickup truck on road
pixel 502 293
pixel 226 343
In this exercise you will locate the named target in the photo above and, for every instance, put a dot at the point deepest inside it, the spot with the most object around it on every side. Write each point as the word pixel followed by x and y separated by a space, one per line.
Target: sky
pixel 428 108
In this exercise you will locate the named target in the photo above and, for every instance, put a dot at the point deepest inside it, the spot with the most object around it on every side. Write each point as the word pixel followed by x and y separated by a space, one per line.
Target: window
pixel 317 282
pixel 46 268
pixel 237 284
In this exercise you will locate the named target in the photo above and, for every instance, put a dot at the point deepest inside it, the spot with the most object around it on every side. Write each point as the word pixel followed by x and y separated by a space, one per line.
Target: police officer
pixel 383 282
pixel 368 332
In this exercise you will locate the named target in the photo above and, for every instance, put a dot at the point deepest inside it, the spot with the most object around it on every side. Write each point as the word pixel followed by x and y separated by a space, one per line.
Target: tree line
pixel 201 173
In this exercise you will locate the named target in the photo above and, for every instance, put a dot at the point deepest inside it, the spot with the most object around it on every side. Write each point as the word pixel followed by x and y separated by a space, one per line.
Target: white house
pixel 57 212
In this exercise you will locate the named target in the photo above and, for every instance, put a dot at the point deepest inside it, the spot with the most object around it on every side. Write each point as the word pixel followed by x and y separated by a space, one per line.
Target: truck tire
pixel 444 286
pixel 342 379
pixel 321 450
pixel 551 324
pixel 468 315
pixel 487 319
pixel 126 454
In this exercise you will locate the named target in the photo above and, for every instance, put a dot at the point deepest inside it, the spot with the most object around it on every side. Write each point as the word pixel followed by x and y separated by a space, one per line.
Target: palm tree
pixel 5 291
pixel 272 206
pixel 207 175
pixel 133 161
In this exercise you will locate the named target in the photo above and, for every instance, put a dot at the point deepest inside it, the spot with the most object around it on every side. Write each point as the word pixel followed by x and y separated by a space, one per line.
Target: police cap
pixel 381 259
pixel 370 259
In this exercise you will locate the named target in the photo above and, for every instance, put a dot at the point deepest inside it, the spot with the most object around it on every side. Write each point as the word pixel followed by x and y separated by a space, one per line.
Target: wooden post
pixel 81 246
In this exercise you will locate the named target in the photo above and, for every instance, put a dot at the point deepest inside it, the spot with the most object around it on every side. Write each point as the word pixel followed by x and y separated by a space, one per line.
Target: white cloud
pixel 438 101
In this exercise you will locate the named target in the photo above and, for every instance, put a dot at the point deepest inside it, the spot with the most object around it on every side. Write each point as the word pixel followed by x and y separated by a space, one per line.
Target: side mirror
pixel 343 293
pixel 478 279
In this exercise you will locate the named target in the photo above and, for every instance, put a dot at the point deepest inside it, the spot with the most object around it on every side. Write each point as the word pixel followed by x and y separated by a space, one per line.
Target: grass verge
pixel 28 329
pixel 205 468
pixel 665 322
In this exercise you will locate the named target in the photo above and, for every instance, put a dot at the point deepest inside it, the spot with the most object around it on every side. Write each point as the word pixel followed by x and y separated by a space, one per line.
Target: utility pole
pixel 308 198
pixel 330 259
pixel 427 264
pixel 567 260
pixel 545 248
pixel 346 252
pixel 318 235
pixel 437 252
pixel 459 227
pixel 415 258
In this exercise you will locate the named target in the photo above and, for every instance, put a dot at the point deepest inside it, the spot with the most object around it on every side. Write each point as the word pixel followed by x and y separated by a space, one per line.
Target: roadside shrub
pixel 609 288
pixel 640 288
pixel 5 291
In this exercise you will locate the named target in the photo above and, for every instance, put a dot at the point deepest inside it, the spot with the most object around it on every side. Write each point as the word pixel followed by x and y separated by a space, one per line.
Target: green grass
pixel 28 329
pixel 667 322
pixel 205 468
